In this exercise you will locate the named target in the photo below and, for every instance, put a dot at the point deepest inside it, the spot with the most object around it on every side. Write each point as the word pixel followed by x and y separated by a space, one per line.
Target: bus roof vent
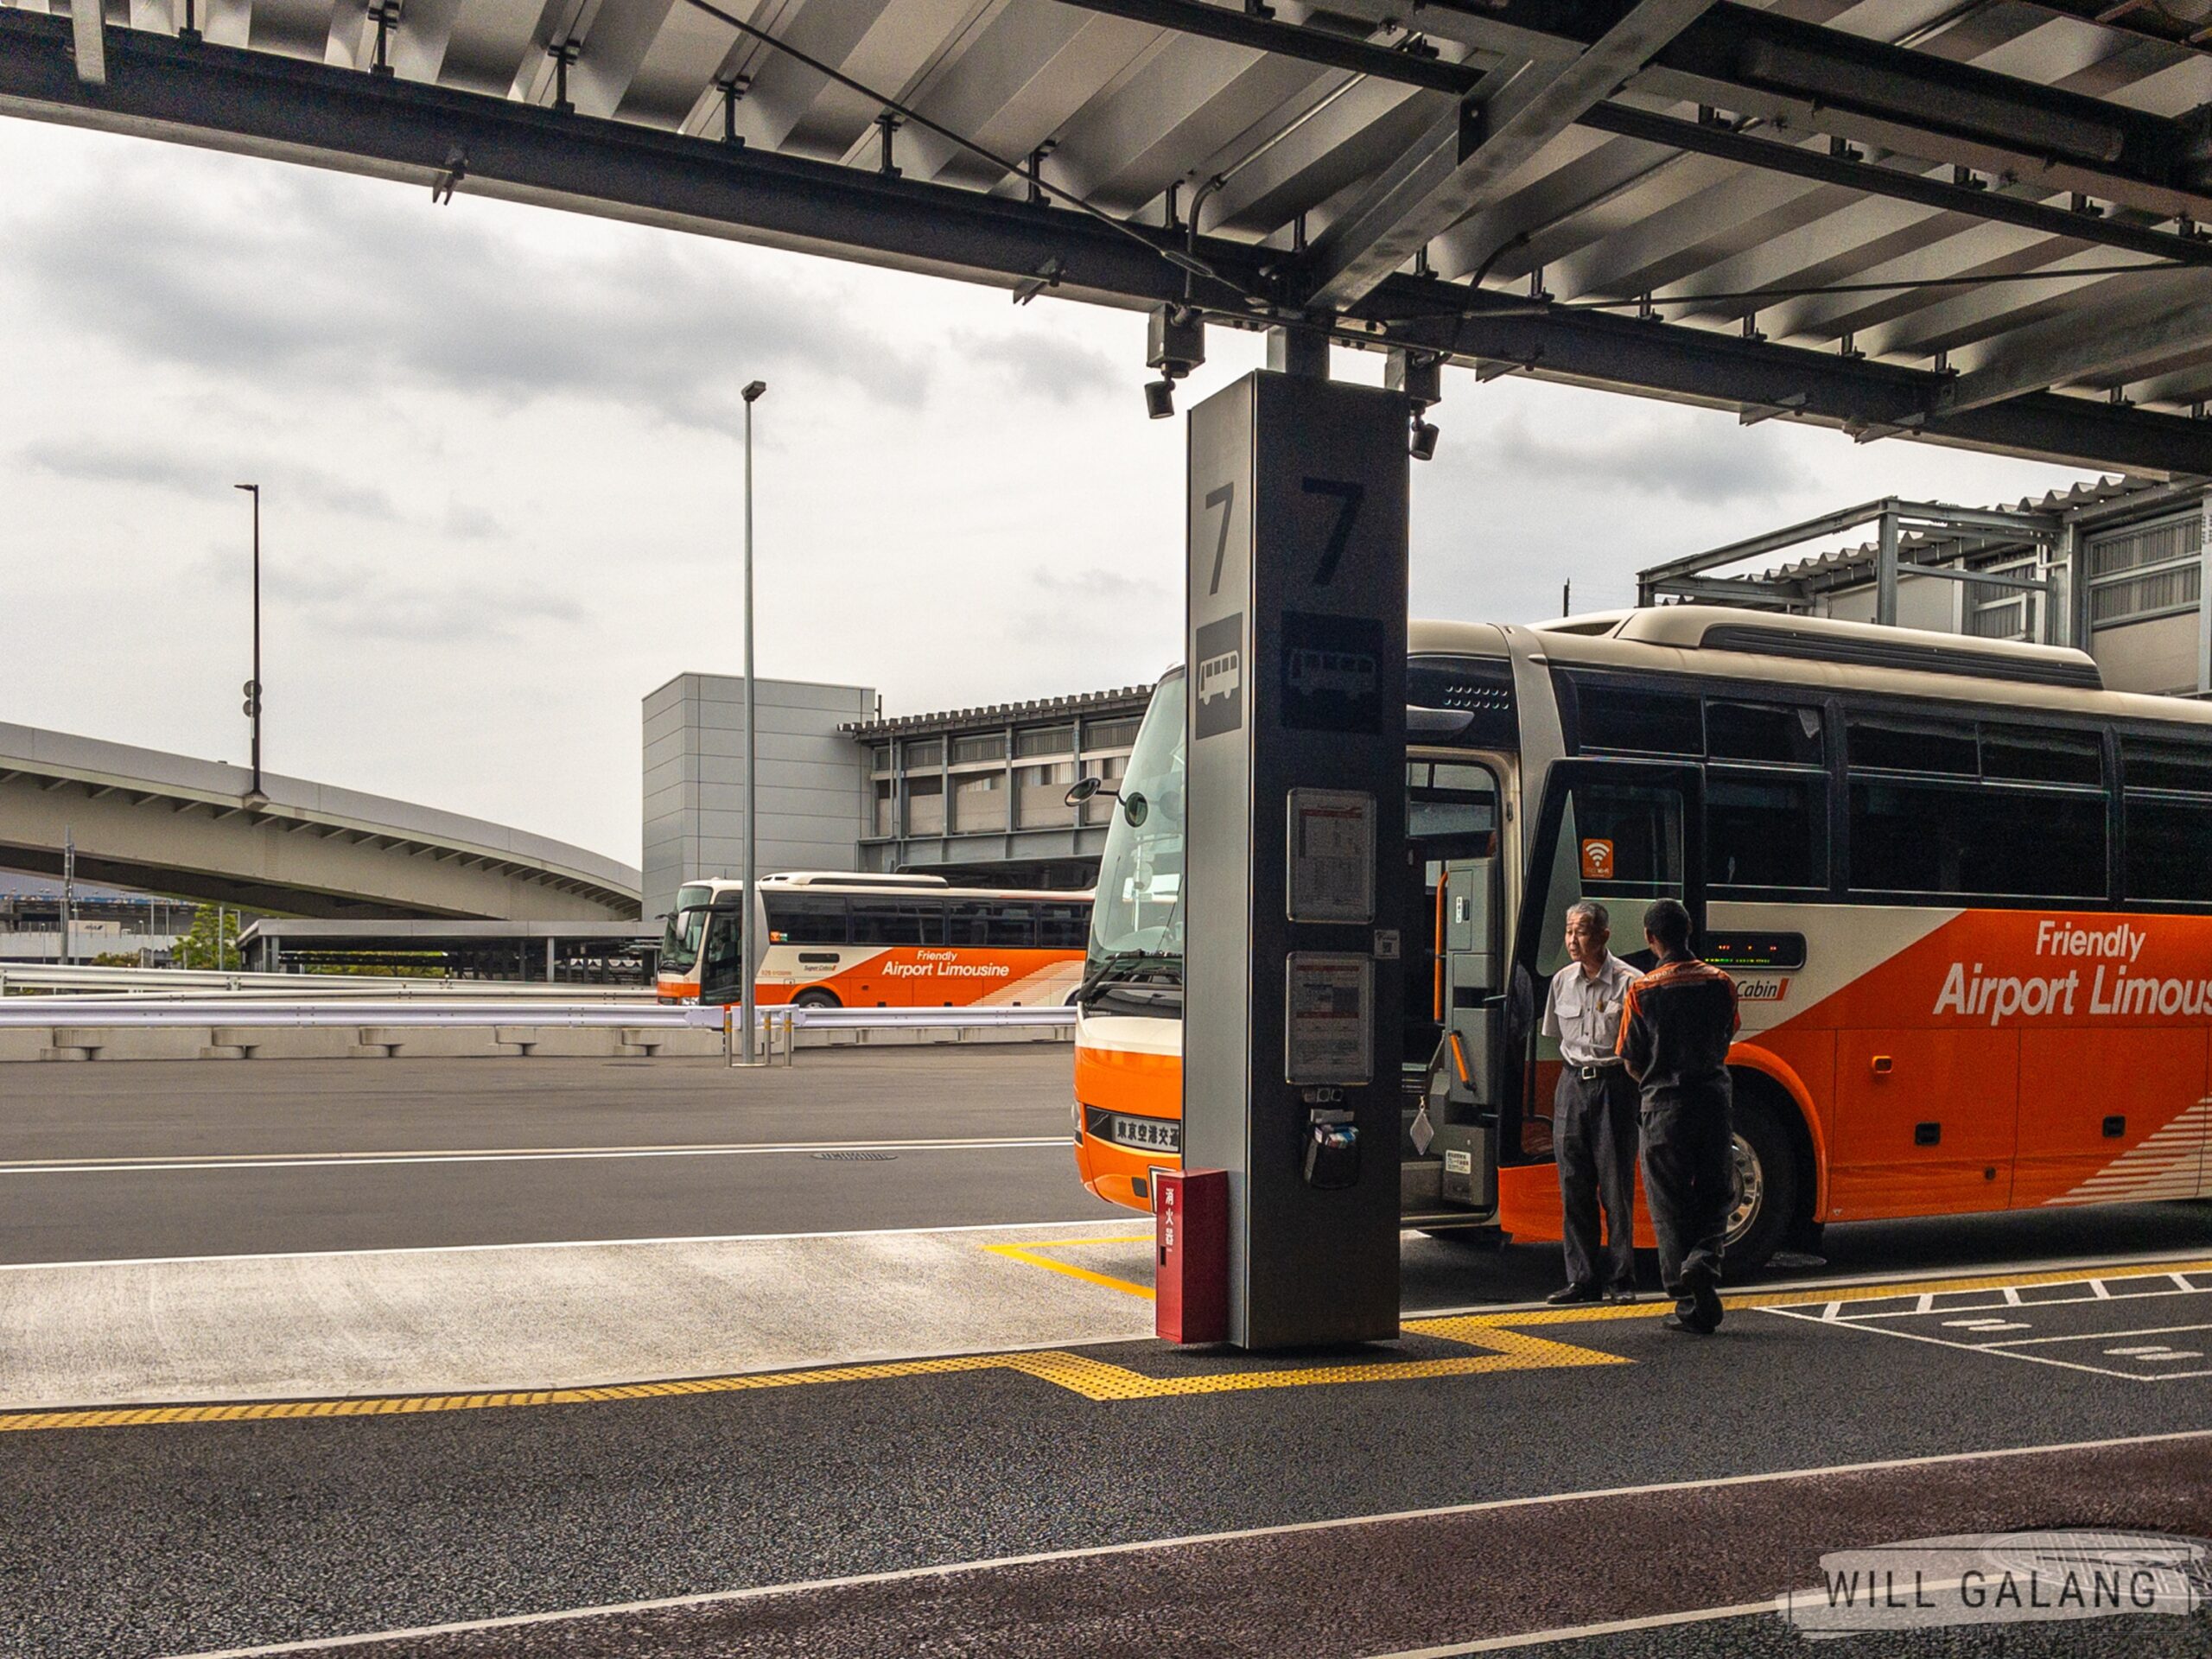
pixel 1861 645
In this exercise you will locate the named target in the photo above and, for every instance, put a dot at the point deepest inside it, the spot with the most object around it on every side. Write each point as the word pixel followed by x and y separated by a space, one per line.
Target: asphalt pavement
pixel 132 1161
pixel 1580 1480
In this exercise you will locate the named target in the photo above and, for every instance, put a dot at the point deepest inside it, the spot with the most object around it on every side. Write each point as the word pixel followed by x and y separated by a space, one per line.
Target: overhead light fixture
pixel 1423 446
pixel 1160 398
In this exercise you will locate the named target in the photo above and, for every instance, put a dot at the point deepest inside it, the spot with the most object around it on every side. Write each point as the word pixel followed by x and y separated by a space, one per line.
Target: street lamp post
pixel 253 685
pixel 749 943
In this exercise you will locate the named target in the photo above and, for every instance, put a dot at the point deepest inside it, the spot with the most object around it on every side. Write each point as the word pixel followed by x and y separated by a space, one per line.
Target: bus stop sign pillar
pixel 1296 863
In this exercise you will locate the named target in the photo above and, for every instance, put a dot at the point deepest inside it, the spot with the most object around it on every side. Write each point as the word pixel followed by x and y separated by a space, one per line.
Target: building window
pixel 879 757
pixel 1044 740
pixel 2147 570
pixel 925 753
pixel 978 802
pixel 990 745
pixel 1994 612
pixel 1109 734
pixel 1040 795
pixel 925 804
pixel 887 806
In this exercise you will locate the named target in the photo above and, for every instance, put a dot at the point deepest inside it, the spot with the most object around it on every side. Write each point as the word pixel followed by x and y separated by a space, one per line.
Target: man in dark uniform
pixel 1675 1030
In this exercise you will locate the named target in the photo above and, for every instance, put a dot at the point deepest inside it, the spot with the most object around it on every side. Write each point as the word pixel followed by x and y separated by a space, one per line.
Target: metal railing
pixel 182 982
pixel 146 1011
pixel 780 1025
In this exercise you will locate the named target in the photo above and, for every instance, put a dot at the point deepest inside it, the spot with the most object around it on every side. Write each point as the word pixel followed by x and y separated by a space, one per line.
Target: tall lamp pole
pixel 253 685
pixel 749 940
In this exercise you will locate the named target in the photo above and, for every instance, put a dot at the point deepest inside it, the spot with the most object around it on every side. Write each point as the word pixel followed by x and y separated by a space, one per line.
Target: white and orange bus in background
pixel 836 939
pixel 1965 893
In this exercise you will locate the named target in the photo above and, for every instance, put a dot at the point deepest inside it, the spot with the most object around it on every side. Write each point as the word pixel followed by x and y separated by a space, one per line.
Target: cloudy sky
pixel 498 452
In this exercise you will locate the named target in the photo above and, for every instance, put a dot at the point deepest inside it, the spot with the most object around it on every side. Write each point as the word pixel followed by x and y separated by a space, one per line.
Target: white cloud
pixel 501 478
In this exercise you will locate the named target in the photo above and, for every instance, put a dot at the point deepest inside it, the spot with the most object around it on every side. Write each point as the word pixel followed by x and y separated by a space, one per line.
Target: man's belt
pixel 1600 1070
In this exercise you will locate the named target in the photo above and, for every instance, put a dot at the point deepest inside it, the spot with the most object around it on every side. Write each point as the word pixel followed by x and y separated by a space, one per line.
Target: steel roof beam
pixel 1468 156
pixel 2060 352
pixel 1623 120
pixel 1750 61
pixel 286 109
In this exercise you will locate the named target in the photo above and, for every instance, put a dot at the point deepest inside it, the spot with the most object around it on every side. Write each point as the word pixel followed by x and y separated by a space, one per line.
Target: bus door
pixel 1619 835
pixel 1454 1003
pixel 722 954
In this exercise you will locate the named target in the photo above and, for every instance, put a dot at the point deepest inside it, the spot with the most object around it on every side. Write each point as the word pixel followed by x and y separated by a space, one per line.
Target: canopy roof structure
pixel 1978 223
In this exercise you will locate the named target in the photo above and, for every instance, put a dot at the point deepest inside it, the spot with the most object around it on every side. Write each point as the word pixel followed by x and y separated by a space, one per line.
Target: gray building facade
pixel 812 781
pixel 976 795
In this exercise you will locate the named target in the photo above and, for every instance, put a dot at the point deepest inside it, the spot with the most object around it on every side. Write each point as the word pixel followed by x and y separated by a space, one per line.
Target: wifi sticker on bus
pixel 1597 860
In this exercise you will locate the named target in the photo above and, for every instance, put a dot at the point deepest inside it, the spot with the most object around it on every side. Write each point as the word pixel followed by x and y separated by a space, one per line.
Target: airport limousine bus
pixel 1965 892
pixel 835 939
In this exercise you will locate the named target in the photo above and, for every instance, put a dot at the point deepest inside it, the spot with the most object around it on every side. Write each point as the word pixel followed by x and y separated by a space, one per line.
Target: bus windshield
pixel 1136 921
pixel 679 945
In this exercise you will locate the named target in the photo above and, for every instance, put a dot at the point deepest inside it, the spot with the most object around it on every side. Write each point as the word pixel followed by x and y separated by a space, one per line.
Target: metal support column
pixel 2204 596
pixel 1301 352
pixel 1296 847
pixel 2073 550
pixel 1886 569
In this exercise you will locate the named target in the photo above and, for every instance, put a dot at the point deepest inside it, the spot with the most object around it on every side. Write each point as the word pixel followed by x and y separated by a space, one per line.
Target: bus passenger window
pixel 1635 719
pixel 1778 734
pixel 1005 924
pixel 1766 829
pixel 2166 843
pixel 1063 927
pixel 805 919
pixel 1951 838
pixel 897 924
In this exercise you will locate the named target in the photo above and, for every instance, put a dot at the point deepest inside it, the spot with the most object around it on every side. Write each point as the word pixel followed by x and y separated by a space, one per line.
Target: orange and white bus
pixel 1965 891
pixel 835 939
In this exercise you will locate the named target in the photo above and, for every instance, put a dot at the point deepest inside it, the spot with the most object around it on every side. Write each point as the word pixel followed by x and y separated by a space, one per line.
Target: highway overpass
pixel 169 824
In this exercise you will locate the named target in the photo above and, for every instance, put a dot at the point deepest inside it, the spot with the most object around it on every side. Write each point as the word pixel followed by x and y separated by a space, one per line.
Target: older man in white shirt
pixel 1593 1112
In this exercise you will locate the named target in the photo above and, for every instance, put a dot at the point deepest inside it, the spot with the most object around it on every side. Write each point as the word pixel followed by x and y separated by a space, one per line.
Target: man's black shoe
pixel 1621 1293
pixel 1709 1310
pixel 1573 1294
pixel 1693 1325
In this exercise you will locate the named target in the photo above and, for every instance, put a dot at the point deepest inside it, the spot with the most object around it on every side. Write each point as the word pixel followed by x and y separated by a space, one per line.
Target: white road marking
pixel 2104 1295
pixel 514 1156
pixel 2016 1347
pixel 556 1244
pixel 719 1597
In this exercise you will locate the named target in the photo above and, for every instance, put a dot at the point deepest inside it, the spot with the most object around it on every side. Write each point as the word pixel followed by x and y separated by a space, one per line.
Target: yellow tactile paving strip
pixel 1499 1336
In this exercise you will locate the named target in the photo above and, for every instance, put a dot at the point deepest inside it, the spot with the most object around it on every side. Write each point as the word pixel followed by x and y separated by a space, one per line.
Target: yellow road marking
pixel 1501 1338
pixel 1031 1254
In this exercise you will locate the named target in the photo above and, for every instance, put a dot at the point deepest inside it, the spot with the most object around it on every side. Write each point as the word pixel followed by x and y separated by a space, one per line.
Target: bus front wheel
pixel 1766 1178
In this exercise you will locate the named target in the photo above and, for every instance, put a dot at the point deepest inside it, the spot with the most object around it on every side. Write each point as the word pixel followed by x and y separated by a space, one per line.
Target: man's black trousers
pixel 1689 1186
pixel 1593 1132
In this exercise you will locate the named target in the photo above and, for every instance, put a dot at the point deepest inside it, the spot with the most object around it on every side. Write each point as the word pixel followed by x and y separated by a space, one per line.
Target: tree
pixel 201 949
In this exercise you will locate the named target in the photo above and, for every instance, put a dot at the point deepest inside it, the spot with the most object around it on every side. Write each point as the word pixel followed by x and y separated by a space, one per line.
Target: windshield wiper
pixel 1119 966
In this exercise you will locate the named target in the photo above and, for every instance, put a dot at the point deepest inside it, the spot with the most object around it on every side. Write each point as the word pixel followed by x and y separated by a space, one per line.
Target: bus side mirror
pixel 1083 788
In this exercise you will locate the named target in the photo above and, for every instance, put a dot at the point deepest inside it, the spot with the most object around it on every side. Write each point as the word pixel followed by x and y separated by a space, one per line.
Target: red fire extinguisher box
pixel 1192 1282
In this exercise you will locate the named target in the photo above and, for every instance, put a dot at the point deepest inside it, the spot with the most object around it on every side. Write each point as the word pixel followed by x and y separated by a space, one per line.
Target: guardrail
pixel 142 1013
pixel 86 1023
pixel 187 981
pixel 787 1020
